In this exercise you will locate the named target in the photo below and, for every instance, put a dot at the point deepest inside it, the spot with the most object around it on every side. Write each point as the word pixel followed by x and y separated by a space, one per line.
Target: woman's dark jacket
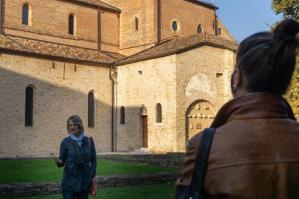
pixel 80 169
pixel 254 153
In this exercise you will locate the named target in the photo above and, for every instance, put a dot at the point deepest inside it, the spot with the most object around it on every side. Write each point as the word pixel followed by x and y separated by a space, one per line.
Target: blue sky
pixel 245 17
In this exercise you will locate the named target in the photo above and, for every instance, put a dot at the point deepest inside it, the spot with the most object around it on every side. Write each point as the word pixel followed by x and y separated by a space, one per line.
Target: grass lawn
pixel 159 191
pixel 45 170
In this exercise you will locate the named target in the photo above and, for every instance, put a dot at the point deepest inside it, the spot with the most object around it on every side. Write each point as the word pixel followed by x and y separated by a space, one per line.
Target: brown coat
pixel 255 151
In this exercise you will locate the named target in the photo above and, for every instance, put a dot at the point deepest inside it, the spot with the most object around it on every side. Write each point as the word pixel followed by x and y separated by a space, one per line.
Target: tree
pixel 293 93
pixel 289 8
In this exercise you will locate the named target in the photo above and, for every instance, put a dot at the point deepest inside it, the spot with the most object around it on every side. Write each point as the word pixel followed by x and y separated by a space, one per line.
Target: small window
pixel 158 113
pixel 122 115
pixel 214 24
pixel 26 14
pixel 199 29
pixel 136 22
pixel 90 109
pixel 175 26
pixel 71 24
pixel 29 106
pixel 219 31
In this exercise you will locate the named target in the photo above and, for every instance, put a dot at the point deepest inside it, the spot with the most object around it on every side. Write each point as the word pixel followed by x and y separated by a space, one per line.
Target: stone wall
pixel 147 83
pixel 60 90
pixel 109 31
pixel 188 16
pixel 131 40
pixel 33 189
pixel 56 29
pixel 203 74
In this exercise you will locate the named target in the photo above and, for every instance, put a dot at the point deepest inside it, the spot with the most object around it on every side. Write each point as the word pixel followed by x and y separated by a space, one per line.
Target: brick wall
pixel 147 83
pixel 60 90
pixel 176 82
pixel 109 31
pixel 188 15
pixel 198 80
pixel 131 40
pixel 50 23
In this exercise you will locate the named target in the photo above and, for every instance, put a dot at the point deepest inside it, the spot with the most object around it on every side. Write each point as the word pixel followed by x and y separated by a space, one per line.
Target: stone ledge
pixel 31 189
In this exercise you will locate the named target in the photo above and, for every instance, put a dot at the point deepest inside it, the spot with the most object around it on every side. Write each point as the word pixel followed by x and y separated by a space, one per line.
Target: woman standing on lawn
pixel 78 156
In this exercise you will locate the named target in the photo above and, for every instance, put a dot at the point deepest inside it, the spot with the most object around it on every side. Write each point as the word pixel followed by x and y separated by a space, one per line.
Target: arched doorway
pixel 199 115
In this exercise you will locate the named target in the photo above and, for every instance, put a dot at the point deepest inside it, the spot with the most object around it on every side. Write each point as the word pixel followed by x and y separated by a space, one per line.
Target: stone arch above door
pixel 199 115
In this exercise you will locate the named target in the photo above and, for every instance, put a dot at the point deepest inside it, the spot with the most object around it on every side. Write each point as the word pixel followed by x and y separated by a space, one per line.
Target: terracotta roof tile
pixel 35 47
pixel 178 45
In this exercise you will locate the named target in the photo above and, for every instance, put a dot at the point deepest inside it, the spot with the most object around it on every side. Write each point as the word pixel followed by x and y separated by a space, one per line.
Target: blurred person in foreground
pixel 255 150
pixel 78 156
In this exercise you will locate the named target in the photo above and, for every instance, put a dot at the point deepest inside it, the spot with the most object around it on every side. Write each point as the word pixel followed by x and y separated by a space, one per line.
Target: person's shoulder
pixel 88 138
pixel 195 140
pixel 66 139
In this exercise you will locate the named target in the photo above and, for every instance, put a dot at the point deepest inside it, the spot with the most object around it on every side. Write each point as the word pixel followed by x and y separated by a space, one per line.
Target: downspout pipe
pixel 159 21
pixel 1 15
pixel 113 132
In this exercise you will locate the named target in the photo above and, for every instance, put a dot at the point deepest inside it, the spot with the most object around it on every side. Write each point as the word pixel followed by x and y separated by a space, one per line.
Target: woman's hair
pixel 76 120
pixel 268 59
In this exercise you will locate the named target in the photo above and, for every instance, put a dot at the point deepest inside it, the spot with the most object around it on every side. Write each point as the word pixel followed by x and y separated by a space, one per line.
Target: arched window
pixel 214 24
pixel 91 109
pixel 158 113
pixel 136 22
pixel 174 26
pixel 26 14
pixel 122 115
pixel 199 29
pixel 29 106
pixel 71 24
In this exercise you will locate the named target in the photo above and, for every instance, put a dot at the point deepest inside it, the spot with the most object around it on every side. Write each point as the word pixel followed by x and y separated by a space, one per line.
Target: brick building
pixel 140 73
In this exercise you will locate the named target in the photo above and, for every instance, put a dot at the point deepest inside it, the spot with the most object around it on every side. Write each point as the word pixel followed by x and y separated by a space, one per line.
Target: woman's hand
pixel 59 162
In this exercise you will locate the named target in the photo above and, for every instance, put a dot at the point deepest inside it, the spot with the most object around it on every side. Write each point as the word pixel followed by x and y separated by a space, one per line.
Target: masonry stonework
pixel 176 69
pixel 59 92
pixel 175 10
pixel 148 83
pixel 176 82
pixel 109 31
pixel 131 40
pixel 210 69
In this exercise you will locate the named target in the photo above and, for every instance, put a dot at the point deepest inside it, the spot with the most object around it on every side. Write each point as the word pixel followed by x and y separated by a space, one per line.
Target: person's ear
pixel 236 80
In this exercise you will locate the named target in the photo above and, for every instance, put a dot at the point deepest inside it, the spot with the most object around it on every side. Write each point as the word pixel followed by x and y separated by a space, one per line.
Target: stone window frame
pixel 91 109
pixel 29 100
pixel 201 27
pixel 27 17
pixel 219 31
pixel 178 23
pixel 72 25
pixel 136 23
pixel 122 120
pixel 214 24
pixel 159 115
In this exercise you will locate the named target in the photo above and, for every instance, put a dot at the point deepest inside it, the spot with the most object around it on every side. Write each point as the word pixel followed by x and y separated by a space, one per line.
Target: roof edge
pixel 229 45
pixel 56 58
pixel 96 5
pixel 202 3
